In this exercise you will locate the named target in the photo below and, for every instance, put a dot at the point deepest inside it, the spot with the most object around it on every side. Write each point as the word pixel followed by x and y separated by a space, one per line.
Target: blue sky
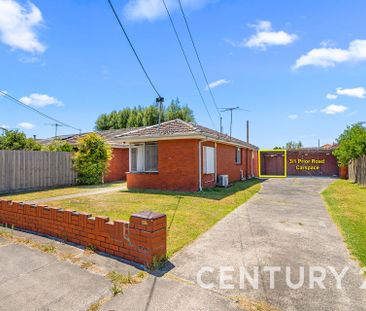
pixel 278 59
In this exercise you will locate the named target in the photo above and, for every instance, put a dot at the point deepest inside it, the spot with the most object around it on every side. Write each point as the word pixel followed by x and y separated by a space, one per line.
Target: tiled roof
pixel 171 128
pixel 178 127
pixel 108 135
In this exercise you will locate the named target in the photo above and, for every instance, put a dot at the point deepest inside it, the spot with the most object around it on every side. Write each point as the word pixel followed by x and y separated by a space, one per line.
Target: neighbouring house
pixel 176 155
pixel 119 163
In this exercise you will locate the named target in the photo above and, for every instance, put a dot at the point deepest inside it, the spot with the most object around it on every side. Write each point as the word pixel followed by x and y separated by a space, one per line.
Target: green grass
pixel 346 203
pixel 38 195
pixel 188 214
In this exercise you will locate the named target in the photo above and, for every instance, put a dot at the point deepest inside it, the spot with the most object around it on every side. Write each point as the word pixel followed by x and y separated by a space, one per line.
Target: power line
pixel 13 99
pixel 133 49
pixel 198 57
pixel 187 62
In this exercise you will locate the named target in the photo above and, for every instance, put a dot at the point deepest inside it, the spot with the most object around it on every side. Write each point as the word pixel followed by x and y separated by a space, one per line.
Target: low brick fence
pixel 142 239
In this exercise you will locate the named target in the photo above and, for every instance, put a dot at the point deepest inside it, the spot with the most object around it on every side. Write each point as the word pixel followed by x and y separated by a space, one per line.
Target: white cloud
pixel 29 60
pixel 26 125
pixel 329 57
pixel 266 36
pixel 311 111
pixel 40 100
pixel 331 96
pixel 217 83
pixel 293 116
pixel 359 92
pixel 154 9
pixel 4 126
pixel 17 25
pixel 333 109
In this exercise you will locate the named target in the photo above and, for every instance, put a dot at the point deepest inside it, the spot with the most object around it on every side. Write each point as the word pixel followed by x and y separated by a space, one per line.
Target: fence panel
pixel 30 170
pixel 357 170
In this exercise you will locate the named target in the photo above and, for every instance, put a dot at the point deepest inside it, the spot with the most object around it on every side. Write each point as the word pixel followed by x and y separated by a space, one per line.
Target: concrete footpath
pixel 61 277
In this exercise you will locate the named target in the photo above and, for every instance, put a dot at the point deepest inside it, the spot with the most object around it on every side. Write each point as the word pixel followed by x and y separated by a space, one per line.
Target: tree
pixel 102 122
pixel 15 140
pixel 151 115
pixel 176 111
pixel 59 145
pixel 351 144
pixel 294 145
pixel 91 161
pixel 139 116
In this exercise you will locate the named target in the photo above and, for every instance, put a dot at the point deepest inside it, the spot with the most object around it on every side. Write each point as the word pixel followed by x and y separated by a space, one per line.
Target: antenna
pixel 56 125
pixel 231 109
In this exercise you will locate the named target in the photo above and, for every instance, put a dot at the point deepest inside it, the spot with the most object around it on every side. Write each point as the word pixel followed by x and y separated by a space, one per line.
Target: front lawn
pixel 50 193
pixel 188 214
pixel 346 203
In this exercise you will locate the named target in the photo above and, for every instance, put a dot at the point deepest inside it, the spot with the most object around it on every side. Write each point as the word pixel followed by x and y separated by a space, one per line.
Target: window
pixel 238 156
pixel 144 157
pixel 151 157
pixel 209 160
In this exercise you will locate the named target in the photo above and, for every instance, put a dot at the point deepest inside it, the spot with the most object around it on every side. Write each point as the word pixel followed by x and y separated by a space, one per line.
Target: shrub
pixel 59 145
pixel 91 161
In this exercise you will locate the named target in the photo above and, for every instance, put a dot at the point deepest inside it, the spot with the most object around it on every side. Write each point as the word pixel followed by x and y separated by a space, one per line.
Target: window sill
pixel 144 173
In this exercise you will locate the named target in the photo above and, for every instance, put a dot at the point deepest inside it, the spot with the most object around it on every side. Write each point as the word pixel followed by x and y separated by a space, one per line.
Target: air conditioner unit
pixel 223 180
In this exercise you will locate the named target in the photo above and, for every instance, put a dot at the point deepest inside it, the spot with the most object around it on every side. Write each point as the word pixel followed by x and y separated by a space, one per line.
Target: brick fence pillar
pixel 148 234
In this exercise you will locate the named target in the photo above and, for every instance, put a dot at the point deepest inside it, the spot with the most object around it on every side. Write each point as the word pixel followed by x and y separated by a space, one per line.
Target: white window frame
pixel 238 155
pixel 141 159
pixel 208 160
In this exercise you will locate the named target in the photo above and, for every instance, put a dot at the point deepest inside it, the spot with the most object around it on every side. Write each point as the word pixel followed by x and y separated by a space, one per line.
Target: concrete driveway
pixel 285 225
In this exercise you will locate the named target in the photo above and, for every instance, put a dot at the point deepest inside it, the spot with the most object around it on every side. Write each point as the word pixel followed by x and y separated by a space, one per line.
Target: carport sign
pixel 307 164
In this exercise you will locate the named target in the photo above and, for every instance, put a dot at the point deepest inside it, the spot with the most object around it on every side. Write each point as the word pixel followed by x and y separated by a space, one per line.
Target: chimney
pixel 248 131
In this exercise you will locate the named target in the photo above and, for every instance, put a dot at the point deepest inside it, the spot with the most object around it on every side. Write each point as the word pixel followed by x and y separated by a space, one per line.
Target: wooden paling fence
pixel 27 170
pixel 357 170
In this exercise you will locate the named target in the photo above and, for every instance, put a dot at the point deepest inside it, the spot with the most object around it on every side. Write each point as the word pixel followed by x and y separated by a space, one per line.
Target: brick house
pixel 181 156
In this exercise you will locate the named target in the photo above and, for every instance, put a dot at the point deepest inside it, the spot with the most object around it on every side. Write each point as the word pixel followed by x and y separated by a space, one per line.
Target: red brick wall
pixel 255 164
pixel 177 165
pixel 141 239
pixel 226 162
pixel 118 165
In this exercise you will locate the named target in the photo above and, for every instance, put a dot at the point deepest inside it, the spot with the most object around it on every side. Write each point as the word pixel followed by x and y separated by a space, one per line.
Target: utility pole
pixel 221 130
pixel 160 102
